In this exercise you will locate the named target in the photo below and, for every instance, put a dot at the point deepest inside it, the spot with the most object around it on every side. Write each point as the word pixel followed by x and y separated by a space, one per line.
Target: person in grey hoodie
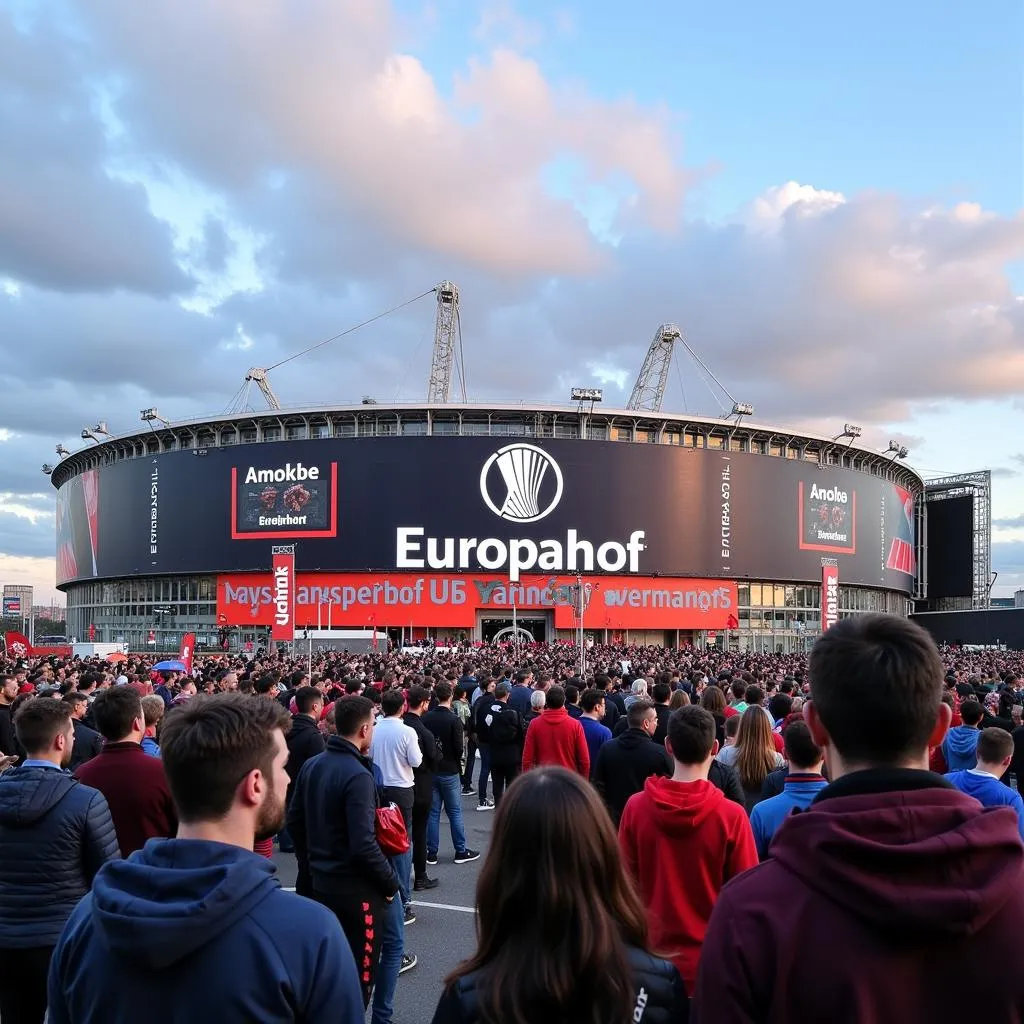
pixel 960 746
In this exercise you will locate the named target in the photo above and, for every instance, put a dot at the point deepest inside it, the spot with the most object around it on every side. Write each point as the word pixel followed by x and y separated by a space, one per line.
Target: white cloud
pixel 791 199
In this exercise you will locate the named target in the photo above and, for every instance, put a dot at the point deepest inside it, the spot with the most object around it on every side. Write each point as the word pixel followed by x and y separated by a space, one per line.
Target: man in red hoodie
pixel 681 841
pixel 892 887
pixel 555 738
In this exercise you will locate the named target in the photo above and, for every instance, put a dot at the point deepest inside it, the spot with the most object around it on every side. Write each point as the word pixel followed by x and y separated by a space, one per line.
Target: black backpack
pixel 503 724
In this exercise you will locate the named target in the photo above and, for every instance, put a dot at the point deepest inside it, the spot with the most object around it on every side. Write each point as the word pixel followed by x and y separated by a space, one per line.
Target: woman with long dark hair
pixel 561 932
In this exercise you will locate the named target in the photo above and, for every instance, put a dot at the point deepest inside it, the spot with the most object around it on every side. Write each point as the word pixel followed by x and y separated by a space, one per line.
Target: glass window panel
pixel 755 594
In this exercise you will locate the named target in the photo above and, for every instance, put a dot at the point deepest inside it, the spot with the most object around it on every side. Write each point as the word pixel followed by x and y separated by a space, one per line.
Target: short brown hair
pixel 351 713
pixel 994 745
pixel 691 733
pixel 38 722
pixel 115 710
pixel 876 683
pixel 209 744
pixel 153 708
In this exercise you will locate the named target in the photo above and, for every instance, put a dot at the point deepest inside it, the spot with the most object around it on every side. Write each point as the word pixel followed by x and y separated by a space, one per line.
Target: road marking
pixel 418 903
pixel 443 906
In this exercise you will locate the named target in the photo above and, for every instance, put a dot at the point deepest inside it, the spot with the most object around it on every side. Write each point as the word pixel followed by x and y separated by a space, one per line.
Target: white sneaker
pixel 486 805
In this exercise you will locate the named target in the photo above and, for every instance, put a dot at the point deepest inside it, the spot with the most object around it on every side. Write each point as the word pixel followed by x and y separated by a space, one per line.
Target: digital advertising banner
pixel 480 505
pixel 329 600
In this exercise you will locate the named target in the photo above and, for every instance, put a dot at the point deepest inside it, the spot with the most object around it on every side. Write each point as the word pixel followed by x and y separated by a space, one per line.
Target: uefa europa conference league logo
pixel 519 483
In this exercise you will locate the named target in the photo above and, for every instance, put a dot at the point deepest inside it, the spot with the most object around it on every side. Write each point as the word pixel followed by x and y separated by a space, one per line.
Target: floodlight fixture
pixel 850 430
pixel 47 468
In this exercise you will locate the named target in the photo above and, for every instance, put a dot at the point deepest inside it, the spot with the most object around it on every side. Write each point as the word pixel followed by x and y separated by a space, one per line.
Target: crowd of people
pixel 679 834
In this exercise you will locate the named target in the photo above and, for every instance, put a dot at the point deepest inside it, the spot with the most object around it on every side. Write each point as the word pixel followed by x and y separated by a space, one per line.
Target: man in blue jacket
pixel 198 926
pixel 804 782
pixel 332 820
pixel 55 834
pixel 995 752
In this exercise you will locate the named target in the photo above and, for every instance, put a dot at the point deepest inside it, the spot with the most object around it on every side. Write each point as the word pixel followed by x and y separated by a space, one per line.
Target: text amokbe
pixel 286 474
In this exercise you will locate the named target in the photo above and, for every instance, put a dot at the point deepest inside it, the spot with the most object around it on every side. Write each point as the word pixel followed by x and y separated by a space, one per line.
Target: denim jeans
pixel 485 770
pixel 467 775
pixel 392 946
pixel 447 791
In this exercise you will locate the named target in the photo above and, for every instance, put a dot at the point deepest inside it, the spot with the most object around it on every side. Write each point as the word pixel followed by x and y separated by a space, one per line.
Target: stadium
pixel 461 521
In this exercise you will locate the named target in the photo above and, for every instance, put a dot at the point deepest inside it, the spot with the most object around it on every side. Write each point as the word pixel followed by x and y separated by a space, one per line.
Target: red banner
pixel 369 600
pixel 281 605
pixel 188 647
pixel 16 645
pixel 829 596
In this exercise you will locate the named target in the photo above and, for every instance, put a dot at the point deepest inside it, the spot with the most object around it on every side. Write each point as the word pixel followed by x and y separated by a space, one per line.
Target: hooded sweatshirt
pixel 959 748
pixel 191 930
pixel 555 738
pixel 876 904
pixel 681 842
pixel 798 791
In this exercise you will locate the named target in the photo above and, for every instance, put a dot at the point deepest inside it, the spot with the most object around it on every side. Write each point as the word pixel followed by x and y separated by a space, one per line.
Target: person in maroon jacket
pixel 555 738
pixel 892 887
pixel 133 782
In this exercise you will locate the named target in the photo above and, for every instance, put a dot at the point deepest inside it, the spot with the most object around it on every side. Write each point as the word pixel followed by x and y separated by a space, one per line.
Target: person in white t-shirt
pixel 395 750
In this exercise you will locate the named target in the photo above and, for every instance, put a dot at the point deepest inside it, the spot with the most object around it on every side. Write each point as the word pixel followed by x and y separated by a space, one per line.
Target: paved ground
pixel 443 933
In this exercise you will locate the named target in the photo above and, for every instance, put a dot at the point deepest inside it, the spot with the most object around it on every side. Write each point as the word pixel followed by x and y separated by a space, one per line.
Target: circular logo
pixel 531 481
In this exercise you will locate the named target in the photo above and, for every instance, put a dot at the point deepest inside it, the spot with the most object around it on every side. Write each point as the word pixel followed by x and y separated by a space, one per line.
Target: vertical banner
pixel 829 595
pixel 188 647
pixel 283 591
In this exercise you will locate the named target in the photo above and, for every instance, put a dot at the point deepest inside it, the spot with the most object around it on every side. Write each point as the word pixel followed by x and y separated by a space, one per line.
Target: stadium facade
pixel 449 520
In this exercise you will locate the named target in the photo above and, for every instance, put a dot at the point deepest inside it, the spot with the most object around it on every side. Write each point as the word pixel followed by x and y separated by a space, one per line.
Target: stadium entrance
pixel 532 629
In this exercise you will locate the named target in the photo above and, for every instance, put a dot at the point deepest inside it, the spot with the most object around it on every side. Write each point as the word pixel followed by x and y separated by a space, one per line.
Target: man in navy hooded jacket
pixel 892 887
pixel 198 926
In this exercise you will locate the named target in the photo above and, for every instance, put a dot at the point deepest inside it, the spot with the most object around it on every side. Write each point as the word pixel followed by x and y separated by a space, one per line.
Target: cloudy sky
pixel 830 207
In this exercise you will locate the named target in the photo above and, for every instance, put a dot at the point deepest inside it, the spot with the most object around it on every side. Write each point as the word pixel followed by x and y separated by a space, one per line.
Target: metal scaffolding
pixel 978 486
pixel 447 338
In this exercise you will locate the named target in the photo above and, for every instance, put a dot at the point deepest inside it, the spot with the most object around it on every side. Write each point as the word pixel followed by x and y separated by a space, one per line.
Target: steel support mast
pixel 446 329
pixel 258 376
pixel 649 389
